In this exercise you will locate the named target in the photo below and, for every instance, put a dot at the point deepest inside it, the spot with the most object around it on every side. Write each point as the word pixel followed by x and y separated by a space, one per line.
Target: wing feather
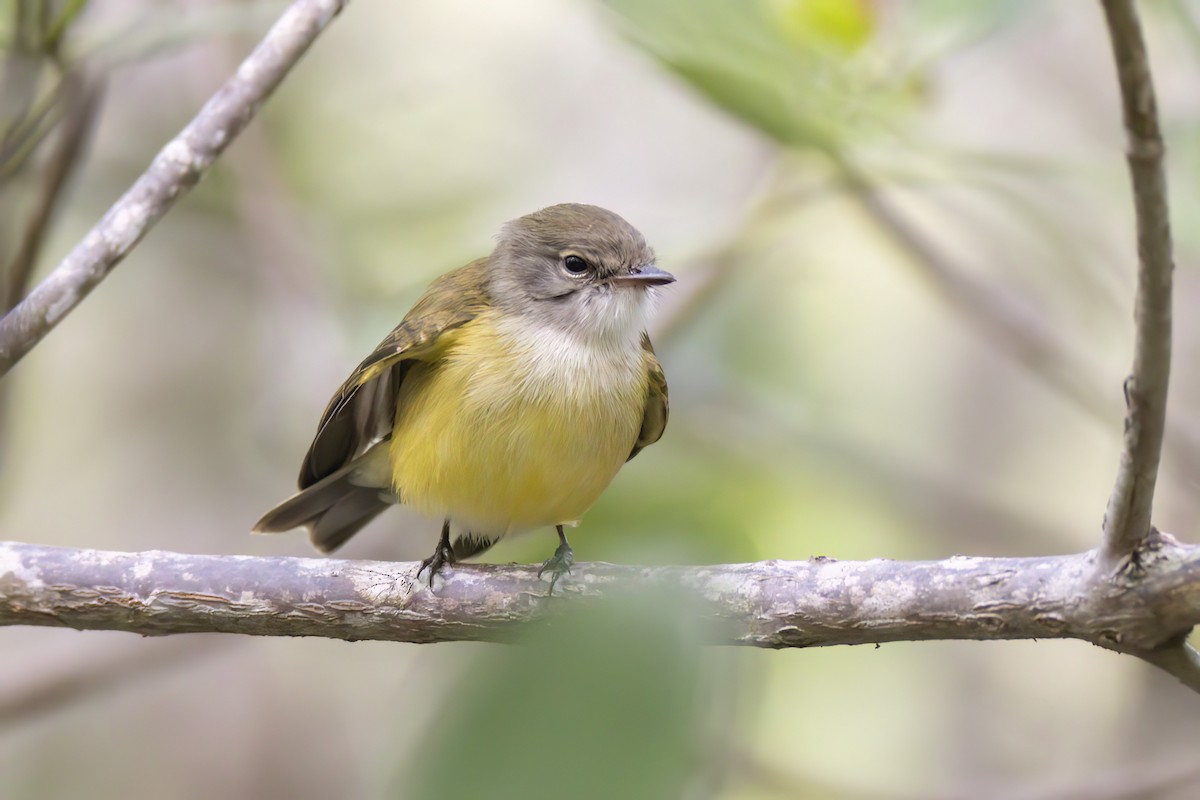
pixel 654 418
pixel 363 411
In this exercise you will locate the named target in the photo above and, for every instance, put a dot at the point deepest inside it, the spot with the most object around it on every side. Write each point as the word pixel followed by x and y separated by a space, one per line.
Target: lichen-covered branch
pixel 764 604
pixel 174 171
pixel 1127 518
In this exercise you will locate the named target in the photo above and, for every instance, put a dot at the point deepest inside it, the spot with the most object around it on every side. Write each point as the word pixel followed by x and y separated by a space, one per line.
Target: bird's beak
pixel 647 275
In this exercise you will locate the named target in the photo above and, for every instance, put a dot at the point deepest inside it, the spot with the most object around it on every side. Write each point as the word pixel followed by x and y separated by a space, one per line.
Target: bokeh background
pixel 903 235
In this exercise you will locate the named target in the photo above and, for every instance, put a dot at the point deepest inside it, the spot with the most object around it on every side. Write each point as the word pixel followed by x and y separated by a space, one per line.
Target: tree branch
pixel 1127 519
pixel 176 168
pixel 766 604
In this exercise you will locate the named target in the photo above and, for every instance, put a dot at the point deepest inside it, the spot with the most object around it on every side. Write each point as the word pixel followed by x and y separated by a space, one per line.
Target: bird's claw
pixel 442 556
pixel 562 561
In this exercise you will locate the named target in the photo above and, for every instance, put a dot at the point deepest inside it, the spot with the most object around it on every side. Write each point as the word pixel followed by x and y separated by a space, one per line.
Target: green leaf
pixel 843 24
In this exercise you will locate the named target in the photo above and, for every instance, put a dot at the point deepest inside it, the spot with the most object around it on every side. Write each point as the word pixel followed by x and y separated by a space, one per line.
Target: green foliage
pixel 790 69
pixel 810 74
pixel 827 24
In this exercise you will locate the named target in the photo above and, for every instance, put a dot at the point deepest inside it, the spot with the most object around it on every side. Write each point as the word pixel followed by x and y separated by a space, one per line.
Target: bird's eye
pixel 575 265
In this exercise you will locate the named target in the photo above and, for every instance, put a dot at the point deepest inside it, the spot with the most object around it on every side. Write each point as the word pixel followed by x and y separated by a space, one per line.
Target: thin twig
pixel 176 168
pixel 23 138
pixel 17 84
pixel 1127 519
pixel 1180 660
pixel 1002 317
pixel 82 103
pixel 1009 323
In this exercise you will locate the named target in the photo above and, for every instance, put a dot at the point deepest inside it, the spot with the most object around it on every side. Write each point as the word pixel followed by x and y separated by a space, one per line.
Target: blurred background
pixel 903 236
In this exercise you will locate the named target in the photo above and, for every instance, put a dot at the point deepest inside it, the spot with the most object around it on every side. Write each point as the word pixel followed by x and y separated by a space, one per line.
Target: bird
pixel 505 400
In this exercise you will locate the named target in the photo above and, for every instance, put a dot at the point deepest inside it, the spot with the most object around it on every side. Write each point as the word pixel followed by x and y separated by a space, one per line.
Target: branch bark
pixel 1127 519
pixel 772 604
pixel 174 171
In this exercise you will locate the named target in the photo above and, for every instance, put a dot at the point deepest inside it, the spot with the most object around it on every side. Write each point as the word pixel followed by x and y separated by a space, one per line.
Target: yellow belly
pixel 509 430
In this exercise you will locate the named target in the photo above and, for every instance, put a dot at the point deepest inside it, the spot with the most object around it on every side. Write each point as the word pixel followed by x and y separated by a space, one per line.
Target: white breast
pixel 567 364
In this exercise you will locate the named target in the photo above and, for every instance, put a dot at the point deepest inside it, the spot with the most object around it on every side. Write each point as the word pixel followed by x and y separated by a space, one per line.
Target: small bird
pixel 507 399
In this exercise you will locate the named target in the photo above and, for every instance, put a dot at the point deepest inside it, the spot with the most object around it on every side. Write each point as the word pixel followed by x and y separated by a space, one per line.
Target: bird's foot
pixel 562 561
pixel 443 555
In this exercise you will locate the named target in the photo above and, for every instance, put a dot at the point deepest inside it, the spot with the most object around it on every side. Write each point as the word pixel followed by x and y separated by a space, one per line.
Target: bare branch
pixel 176 168
pixel 1127 519
pixel 765 604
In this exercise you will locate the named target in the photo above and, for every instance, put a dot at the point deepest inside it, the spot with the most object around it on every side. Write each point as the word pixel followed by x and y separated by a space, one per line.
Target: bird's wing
pixel 363 410
pixel 654 418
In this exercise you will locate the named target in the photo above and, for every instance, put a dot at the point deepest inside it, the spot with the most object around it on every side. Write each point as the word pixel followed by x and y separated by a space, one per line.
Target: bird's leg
pixel 443 555
pixel 560 562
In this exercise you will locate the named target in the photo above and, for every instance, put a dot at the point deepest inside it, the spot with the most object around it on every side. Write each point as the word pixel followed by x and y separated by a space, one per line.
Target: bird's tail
pixel 333 509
